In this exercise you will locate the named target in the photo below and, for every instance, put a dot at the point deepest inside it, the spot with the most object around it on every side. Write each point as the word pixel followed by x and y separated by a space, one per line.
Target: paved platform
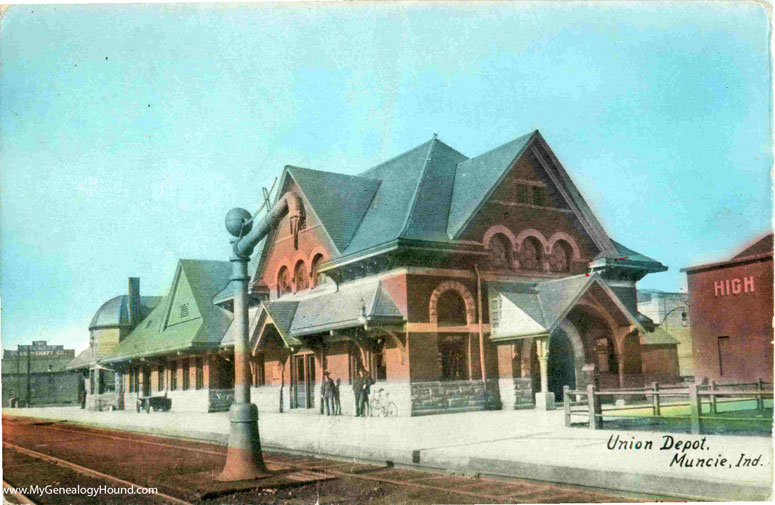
pixel 526 444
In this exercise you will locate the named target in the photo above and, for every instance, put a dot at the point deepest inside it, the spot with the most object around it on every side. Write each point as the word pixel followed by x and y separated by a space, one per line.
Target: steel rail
pixel 93 473
pixel 311 465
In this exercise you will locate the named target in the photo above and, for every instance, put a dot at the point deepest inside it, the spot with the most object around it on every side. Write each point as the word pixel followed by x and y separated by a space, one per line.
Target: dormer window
pixel 183 310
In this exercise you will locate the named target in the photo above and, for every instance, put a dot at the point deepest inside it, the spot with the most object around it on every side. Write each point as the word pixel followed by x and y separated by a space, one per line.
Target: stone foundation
pixel 454 396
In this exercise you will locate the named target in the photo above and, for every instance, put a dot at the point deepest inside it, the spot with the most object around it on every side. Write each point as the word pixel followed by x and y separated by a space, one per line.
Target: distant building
pixel 34 375
pixel 670 311
pixel 730 307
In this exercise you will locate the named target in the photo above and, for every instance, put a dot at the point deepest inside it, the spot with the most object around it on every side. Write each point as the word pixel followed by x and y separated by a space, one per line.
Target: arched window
pixel 283 282
pixel 316 277
pixel 451 309
pixel 530 254
pixel 300 278
pixel 500 252
pixel 559 261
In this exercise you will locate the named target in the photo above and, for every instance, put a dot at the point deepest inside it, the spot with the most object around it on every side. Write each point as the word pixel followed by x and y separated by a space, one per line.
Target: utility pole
pixel 29 398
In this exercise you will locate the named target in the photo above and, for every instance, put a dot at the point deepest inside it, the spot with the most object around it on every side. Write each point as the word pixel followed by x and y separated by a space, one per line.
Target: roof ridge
pixel 327 172
pixel 500 146
pixel 420 180
pixel 392 159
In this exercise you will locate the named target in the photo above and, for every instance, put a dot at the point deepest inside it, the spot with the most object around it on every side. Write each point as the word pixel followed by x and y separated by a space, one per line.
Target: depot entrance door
pixel 561 368
pixel 303 385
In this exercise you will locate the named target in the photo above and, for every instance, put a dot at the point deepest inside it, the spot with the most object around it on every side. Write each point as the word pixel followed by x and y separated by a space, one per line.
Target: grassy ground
pixel 738 417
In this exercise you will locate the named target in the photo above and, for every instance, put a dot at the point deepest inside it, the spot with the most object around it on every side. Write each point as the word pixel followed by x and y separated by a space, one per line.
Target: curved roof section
pixel 115 312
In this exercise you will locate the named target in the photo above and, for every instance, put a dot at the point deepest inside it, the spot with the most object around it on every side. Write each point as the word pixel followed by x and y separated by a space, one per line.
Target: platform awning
pixel 362 303
pixel 520 311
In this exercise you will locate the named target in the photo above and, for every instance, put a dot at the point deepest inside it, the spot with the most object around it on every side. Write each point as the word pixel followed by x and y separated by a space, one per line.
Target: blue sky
pixel 129 131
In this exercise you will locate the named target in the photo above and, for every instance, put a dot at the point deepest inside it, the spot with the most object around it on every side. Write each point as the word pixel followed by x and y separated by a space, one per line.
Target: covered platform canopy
pixel 360 304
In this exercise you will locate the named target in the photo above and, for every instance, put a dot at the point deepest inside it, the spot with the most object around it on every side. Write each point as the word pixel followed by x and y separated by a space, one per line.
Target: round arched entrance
pixel 561 365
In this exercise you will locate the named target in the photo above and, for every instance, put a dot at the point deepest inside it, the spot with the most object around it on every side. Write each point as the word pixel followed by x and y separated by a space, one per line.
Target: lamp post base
pixel 244 460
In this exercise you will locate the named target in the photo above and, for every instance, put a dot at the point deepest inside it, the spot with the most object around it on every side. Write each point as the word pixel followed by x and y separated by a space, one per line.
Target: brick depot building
pixel 731 316
pixel 457 283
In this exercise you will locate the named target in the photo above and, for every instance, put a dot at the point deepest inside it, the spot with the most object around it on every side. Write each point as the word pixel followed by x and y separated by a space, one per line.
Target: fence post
pixel 695 408
pixel 655 399
pixel 759 397
pixel 566 403
pixel 713 406
pixel 593 403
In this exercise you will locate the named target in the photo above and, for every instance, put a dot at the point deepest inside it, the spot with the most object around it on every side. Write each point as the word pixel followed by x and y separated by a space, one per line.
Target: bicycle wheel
pixel 373 407
pixel 391 410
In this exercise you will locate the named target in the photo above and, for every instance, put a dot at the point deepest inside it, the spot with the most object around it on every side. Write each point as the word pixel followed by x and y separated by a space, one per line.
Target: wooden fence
pixel 588 403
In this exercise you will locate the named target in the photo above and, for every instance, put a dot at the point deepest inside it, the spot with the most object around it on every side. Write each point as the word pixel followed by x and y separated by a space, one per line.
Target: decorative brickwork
pixel 462 291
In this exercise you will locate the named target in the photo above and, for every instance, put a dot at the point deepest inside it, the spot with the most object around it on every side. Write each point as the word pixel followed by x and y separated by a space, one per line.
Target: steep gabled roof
pixel 429 212
pixel 339 201
pixel 197 282
pixel 476 179
pixel 388 212
pixel 539 309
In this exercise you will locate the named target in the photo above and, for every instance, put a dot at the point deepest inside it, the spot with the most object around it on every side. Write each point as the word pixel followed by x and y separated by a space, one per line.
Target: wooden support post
pixel 566 403
pixel 655 399
pixel 593 403
pixel 713 405
pixel 695 409
pixel 759 397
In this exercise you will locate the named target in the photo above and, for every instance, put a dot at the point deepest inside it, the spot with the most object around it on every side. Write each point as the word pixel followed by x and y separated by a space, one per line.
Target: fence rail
pixel 588 403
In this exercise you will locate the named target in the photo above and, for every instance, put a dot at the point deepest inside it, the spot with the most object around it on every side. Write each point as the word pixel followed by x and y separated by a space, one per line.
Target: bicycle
pixel 381 406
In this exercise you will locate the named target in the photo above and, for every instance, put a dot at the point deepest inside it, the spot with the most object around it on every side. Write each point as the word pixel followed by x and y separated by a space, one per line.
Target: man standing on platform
pixel 362 386
pixel 327 392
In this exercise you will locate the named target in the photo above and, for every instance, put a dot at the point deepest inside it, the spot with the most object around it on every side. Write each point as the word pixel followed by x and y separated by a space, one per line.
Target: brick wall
pixel 49 388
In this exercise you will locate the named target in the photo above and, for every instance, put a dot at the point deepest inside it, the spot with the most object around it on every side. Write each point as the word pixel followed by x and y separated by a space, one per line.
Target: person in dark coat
pixel 327 392
pixel 362 386
pixel 337 403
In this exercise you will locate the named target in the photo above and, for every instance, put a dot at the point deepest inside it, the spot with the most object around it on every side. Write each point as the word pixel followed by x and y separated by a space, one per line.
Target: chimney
pixel 134 301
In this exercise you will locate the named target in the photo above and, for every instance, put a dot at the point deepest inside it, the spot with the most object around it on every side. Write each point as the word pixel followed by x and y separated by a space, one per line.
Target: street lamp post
pixel 243 459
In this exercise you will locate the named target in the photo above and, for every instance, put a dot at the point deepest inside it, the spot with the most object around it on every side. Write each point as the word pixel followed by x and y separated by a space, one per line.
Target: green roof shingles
pixel 430 209
pixel 387 213
pixel 339 200
pixel 154 336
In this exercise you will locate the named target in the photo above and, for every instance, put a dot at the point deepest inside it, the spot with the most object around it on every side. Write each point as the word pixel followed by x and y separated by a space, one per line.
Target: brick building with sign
pixel 456 283
pixel 730 303
pixel 35 375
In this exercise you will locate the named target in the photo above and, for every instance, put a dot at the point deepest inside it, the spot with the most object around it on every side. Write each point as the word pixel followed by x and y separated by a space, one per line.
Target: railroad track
pixel 479 489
